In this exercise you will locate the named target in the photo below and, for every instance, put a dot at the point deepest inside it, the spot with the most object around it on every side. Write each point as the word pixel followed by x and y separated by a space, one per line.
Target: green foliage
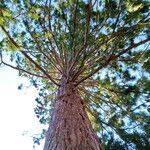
pixel 102 46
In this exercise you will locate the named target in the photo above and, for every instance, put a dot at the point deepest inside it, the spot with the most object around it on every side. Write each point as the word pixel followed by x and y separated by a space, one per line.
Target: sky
pixel 18 122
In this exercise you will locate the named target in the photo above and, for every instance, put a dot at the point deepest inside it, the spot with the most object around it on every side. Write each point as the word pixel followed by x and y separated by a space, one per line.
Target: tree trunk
pixel 70 128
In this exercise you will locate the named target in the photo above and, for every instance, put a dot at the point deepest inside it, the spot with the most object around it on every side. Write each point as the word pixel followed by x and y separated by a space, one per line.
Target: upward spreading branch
pixel 113 58
pixel 28 57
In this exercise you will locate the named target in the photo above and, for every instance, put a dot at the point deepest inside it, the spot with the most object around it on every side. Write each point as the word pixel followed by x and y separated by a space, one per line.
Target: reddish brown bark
pixel 70 128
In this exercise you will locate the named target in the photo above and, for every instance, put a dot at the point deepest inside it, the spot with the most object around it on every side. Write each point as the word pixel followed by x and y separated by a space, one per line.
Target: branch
pixel 129 48
pixel 20 69
pixel 88 18
pixel 113 58
pixel 38 46
pixel 88 54
pixel 118 17
pixel 39 67
pixel 74 27
pixel 120 32
pixel 54 37
pixel 28 57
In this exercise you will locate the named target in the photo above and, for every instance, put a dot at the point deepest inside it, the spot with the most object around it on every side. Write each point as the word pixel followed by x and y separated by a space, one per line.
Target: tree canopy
pixel 101 45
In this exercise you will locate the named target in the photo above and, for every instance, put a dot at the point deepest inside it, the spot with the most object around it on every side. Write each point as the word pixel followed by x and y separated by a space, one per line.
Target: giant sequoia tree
pixel 89 61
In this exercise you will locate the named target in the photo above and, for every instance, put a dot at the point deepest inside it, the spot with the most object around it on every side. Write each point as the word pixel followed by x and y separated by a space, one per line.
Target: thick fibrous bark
pixel 70 128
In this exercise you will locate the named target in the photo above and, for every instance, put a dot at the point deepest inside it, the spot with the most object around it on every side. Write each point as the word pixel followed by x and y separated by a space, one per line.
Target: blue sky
pixel 18 121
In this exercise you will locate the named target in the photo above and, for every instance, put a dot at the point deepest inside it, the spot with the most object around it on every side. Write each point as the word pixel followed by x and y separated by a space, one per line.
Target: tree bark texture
pixel 70 128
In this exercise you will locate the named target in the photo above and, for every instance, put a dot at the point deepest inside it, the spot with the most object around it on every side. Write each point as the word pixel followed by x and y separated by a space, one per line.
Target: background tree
pixel 84 56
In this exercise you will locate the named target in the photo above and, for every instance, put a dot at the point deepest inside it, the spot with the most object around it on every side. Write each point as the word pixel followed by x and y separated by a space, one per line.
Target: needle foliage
pixel 100 45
